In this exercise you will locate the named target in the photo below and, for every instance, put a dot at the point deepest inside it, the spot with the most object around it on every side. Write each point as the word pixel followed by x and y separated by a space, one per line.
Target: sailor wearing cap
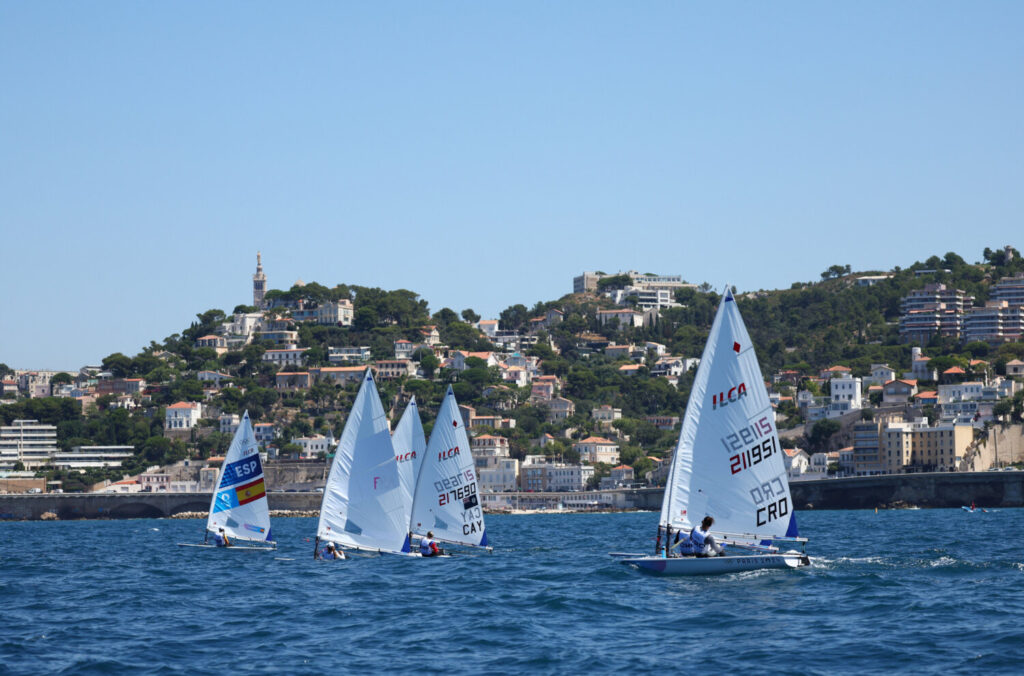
pixel 330 553
pixel 220 539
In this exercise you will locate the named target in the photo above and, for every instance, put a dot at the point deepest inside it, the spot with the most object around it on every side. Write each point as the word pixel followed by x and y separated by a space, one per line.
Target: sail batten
pixel 728 462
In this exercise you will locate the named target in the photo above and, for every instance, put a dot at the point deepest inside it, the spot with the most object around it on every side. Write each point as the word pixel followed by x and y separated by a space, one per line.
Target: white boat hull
pixel 240 548
pixel 716 565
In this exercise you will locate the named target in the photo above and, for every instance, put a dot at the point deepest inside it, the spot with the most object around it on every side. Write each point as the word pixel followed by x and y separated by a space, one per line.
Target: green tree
pixel 469 316
pixel 513 317
pixel 821 434
pixel 613 282
pixel 291 450
pixel 444 317
pixel 118 364
pixel 61 379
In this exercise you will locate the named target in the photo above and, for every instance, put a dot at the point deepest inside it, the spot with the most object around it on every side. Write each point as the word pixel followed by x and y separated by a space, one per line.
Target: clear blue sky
pixel 482 154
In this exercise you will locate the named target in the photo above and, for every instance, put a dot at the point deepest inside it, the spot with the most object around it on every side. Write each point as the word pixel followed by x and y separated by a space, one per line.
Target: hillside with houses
pixel 870 373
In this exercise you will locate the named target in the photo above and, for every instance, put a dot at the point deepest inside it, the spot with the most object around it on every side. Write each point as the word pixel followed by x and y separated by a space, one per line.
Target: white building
pixel 919 368
pixel 597 449
pixel 348 355
pixel 488 327
pixel 880 375
pixel 625 318
pixel 27 442
pixel 338 313
pixel 605 413
pixel 291 356
pixel 229 423
pixel 264 433
pixel 564 477
pixel 970 391
pixel 313 446
pixel 182 416
pixel 83 457
pixel 846 395
pixel 501 475
pixel 796 461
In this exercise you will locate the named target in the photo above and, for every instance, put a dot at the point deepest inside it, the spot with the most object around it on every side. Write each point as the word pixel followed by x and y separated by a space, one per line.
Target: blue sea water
pixel 929 591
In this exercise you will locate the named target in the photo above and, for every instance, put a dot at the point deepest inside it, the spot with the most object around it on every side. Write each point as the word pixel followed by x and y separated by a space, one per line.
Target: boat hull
pixel 239 548
pixel 716 565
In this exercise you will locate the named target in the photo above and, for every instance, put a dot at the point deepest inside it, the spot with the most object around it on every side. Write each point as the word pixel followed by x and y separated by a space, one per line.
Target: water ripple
pixel 892 591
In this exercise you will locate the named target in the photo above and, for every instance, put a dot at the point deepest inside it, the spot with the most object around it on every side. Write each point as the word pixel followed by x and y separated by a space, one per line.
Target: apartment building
pixel 913 446
pixel 28 442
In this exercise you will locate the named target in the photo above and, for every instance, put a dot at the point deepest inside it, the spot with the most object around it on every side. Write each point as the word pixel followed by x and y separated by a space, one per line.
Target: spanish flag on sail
pixel 251 492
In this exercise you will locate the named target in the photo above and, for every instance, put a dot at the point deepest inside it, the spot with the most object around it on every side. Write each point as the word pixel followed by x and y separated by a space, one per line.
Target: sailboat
pixel 728 464
pixel 363 508
pixel 239 504
pixel 410 445
pixel 446 500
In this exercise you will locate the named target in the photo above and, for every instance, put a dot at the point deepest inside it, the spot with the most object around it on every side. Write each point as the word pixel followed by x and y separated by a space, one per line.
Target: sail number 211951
pixel 759 441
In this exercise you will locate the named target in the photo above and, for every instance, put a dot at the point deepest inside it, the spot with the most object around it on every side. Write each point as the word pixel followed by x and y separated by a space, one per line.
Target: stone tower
pixel 259 284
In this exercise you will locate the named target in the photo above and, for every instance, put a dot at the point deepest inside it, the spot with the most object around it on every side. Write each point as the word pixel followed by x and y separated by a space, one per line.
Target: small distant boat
pixel 728 464
pixel 972 509
pixel 239 505
pixel 446 500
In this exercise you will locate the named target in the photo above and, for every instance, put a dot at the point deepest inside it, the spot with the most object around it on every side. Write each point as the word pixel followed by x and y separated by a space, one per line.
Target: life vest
pixel 692 544
pixel 219 540
pixel 426 547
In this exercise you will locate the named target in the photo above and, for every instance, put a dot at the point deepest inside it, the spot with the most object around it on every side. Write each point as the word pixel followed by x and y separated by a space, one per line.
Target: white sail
pixel 728 463
pixel 410 445
pixel 446 499
pixel 239 504
pixel 362 506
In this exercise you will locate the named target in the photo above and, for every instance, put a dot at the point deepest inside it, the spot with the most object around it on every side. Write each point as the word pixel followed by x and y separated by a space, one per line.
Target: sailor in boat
pixel 700 542
pixel 331 553
pixel 428 546
pixel 220 539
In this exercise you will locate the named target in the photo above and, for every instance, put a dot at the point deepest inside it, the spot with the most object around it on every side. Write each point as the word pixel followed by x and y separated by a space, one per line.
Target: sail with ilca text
pixel 447 496
pixel 410 445
pixel 728 463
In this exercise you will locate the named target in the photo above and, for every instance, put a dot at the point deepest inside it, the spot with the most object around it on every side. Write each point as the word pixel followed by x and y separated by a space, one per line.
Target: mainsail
pixel 728 463
pixel 410 444
pixel 446 500
pixel 239 504
pixel 362 506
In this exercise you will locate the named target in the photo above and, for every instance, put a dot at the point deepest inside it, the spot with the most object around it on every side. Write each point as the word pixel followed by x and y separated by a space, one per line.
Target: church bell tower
pixel 259 284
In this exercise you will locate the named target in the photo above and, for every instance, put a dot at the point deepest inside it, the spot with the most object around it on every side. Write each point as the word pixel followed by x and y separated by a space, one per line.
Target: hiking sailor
pixel 700 541
pixel 428 546
pixel 220 539
pixel 330 553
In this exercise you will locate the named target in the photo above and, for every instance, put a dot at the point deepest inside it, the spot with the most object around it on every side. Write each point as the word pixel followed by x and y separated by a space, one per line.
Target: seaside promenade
pixel 987 489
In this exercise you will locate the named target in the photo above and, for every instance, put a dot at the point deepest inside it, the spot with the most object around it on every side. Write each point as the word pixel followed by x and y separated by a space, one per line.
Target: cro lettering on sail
pixel 771 501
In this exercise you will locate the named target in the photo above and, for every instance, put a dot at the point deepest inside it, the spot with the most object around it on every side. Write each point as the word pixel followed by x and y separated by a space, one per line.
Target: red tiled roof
pixel 596 440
